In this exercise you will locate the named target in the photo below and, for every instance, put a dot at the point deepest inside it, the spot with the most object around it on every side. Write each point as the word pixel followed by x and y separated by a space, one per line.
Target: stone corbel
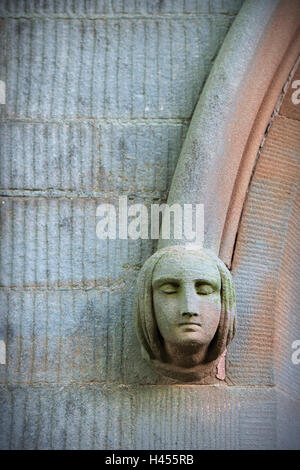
pixel 185 311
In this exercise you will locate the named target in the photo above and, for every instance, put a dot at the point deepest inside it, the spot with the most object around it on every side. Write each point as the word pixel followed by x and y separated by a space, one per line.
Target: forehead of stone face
pixel 188 267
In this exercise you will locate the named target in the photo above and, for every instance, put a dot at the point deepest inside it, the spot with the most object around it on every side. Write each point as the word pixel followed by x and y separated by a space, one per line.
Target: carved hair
pixel 146 325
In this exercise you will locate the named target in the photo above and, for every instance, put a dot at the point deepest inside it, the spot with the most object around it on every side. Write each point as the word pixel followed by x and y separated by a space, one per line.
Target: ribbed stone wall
pixel 99 95
pixel 141 417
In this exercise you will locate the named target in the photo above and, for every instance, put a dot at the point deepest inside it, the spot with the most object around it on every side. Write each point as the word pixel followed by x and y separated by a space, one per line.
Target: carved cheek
pixel 163 304
pixel 210 311
pixel 165 309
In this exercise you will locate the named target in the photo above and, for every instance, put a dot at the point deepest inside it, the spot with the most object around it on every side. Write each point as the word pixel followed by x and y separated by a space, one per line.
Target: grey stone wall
pixel 99 98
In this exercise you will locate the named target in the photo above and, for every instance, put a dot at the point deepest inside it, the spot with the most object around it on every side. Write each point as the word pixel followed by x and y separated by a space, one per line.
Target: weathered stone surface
pixel 265 266
pixel 286 314
pixel 291 105
pixel 229 104
pixel 288 422
pixel 117 68
pixel 85 157
pixel 142 417
pixel 185 313
pixel 95 108
pixel 72 336
pixel 52 242
pixel 81 128
pixel 71 8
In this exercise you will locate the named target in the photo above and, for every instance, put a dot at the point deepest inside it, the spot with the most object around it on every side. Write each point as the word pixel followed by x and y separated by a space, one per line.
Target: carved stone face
pixel 185 312
pixel 186 300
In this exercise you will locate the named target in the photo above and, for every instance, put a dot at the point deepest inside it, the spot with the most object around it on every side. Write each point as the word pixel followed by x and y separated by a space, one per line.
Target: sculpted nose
pixel 189 314
pixel 189 303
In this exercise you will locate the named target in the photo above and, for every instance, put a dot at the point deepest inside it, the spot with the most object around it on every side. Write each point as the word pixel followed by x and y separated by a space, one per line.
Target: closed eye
pixel 204 289
pixel 169 288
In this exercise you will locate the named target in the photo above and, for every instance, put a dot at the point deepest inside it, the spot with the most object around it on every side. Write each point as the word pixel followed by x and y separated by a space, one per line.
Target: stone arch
pixel 241 160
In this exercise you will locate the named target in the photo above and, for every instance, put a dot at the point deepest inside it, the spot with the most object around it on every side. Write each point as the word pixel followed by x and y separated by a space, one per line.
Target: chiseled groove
pixel 138 120
pixel 62 194
pixel 155 16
